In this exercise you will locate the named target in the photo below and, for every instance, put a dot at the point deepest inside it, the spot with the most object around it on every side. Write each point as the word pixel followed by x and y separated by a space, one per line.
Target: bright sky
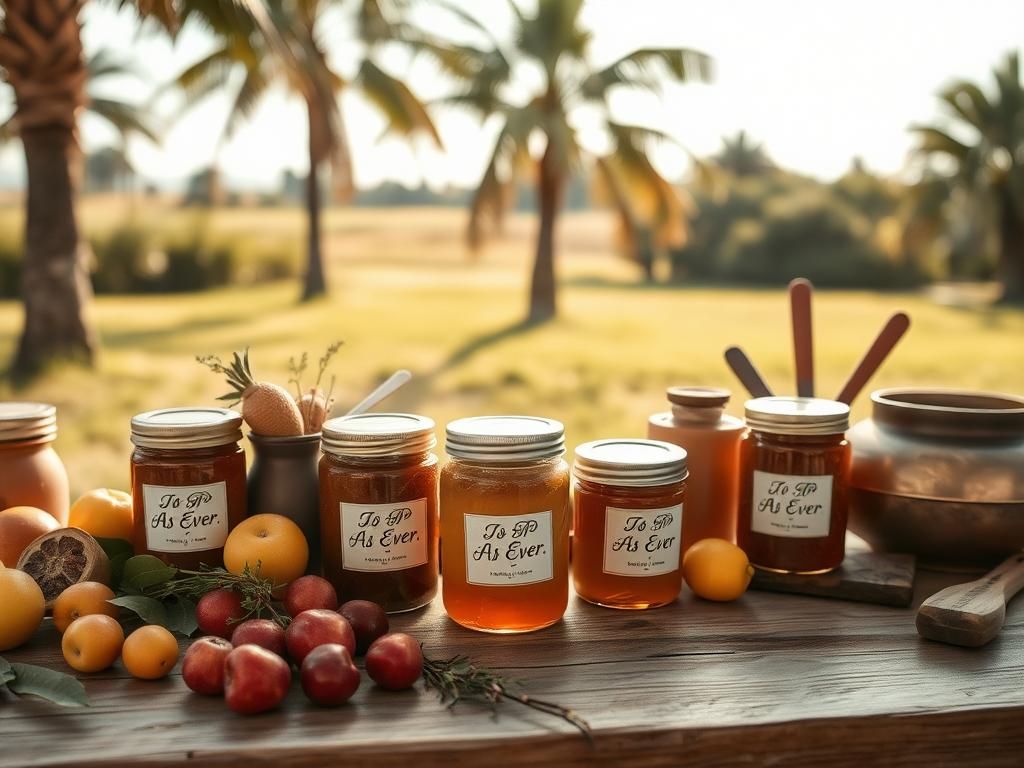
pixel 817 82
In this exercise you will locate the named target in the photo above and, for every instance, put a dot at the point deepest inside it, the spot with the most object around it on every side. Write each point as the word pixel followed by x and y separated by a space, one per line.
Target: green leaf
pixel 119 551
pixel 181 616
pixel 6 673
pixel 48 684
pixel 149 609
pixel 144 571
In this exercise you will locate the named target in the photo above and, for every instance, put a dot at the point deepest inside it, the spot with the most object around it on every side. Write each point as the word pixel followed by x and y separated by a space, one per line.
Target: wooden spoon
pixel 972 614
pixel 803 343
pixel 395 381
pixel 745 371
pixel 880 348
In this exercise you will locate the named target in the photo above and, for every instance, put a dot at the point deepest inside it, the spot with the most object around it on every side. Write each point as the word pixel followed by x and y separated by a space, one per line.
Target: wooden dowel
pixel 803 342
pixel 883 344
pixel 745 371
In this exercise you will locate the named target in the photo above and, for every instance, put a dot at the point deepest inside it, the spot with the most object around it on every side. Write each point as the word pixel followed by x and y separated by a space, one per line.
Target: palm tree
pixel 989 159
pixel 263 42
pixel 553 42
pixel 742 157
pixel 41 58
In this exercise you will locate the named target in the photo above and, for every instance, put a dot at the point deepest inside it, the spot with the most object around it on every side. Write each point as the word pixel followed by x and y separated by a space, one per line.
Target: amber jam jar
pixel 505 523
pixel 378 509
pixel 188 483
pixel 794 478
pixel 31 473
pixel 627 523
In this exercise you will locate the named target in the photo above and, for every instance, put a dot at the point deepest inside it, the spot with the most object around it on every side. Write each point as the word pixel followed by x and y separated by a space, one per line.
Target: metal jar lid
pixel 22 422
pixel 635 463
pixel 797 415
pixel 182 429
pixel 378 434
pixel 505 438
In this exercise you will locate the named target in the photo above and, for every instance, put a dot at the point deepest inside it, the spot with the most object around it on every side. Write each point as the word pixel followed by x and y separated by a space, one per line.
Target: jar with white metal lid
pixel 505 523
pixel 628 513
pixel 188 483
pixel 31 472
pixel 378 509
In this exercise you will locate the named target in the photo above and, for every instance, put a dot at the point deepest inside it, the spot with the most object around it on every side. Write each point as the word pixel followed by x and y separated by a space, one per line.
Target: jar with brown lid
pixel 188 483
pixel 378 509
pixel 31 472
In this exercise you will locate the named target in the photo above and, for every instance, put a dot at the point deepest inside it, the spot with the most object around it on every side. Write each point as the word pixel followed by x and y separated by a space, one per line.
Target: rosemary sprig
pixel 457 679
pixel 257 593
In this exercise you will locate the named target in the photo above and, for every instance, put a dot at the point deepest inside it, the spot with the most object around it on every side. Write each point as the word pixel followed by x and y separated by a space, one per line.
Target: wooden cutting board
pixel 864 577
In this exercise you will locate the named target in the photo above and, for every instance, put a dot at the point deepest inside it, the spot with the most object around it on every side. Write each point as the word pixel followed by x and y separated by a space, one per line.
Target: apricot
pixel 272 543
pixel 82 599
pixel 716 569
pixel 21 608
pixel 150 652
pixel 92 643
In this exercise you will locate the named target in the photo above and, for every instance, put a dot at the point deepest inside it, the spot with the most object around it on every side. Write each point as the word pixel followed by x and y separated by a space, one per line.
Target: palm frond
pixel 553 33
pixel 935 140
pixel 247 97
pixel 209 74
pixel 104 63
pixel 162 11
pixel 127 118
pixel 969 102
pixel 405 113
pixel 640 69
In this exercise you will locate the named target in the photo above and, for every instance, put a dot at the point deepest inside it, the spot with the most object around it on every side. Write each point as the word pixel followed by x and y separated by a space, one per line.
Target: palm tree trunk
pixel 543 305
pixel 315 283
pixel 55 284
pixel 1011 251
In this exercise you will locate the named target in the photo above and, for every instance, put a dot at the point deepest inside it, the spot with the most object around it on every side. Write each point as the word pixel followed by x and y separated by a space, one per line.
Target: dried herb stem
pixel 257 593
pixel 458 679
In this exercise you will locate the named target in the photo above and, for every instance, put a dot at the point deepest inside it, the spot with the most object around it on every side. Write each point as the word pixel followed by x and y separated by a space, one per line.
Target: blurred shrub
pixel 10 263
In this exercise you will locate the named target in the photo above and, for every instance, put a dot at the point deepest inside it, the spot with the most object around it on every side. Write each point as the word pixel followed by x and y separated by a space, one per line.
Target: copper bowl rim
pixel 966 414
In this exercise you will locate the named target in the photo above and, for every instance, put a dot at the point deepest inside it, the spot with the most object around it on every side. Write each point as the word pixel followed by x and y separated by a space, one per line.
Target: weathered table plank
pixel 773 677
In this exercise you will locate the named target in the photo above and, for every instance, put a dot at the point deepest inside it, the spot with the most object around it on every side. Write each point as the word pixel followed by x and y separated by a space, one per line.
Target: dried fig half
pixel 63 557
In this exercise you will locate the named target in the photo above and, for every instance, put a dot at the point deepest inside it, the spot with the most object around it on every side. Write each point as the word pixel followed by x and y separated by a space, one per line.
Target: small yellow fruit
pixel 82 599
pixel 105 513
pixel 716 569
pixel 22 607
pixel 150 652
pixel 273 542
pixel 92 643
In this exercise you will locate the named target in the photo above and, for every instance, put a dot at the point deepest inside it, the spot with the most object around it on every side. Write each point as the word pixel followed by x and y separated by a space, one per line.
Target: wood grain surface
pixel 771 679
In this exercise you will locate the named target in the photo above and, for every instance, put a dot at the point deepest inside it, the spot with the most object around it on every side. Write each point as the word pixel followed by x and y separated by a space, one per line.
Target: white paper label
pixel 508 550
pixel 185 518
pixel 383 537
pixel 642 542
pixel 795 506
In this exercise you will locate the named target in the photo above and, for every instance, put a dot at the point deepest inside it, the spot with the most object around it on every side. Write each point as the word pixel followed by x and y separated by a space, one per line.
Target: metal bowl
pixel 940 474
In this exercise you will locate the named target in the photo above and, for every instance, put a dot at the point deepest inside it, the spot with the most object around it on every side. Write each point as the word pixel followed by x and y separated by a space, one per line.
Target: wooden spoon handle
pixel 883 344
pixel 973 613
pixel 803 341
pixel 385 389
pixel 745 371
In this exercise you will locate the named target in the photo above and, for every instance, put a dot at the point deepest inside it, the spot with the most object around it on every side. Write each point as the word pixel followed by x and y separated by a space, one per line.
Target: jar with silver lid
pixel 188 483
pixel 378 509
pixel 629 507
pixel 505 523
pixel 794 484
pixel 31 472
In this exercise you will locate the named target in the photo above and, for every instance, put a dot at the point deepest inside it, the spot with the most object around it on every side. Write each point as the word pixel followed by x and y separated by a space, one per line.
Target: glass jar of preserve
pixel 627 523
pixel 31 472
pixel 188 483
pixel 505 523
pixel 378 509
pixel 794 479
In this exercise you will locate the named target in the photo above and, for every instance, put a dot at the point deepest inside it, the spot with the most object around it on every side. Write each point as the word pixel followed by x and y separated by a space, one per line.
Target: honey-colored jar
pixel 188 483
pixel 378 509
pixel 31 472
pixel 794 484
pixel 627 523
pixel 505 523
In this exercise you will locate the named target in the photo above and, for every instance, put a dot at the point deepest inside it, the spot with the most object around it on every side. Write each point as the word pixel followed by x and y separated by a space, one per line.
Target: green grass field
pixel 406 294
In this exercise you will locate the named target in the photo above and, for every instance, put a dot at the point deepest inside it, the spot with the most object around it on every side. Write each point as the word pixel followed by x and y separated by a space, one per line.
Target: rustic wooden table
pixel 772 679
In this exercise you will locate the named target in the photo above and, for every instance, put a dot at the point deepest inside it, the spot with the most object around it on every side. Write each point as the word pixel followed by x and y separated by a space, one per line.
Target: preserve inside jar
pixel 188 483
pixel 794 484
pixel 505 523
pixel 627 523
pixel 31 472
pixel 378 509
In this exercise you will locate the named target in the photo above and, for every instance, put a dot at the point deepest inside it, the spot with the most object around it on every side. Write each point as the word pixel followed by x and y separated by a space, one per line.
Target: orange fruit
pixel 105 513
pixel 21 609
pixel 716 569
pixel 19 526
pixel 272 542
pixel 92 643
pixel 150 652
pixel 82 599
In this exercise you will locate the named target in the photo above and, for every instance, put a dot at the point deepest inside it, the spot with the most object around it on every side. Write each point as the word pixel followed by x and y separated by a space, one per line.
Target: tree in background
pixel 988 162
pixel 264 42
pixel 41 57
pixel 553 42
